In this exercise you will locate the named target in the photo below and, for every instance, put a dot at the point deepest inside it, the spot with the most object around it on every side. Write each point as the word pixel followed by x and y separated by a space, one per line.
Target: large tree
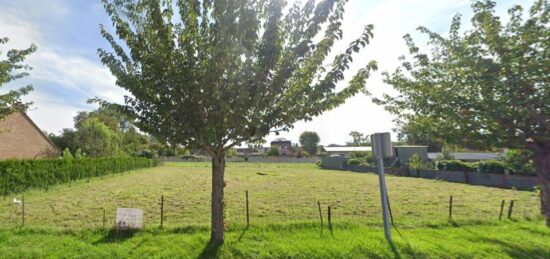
pixel 11 69
pixel 309 141
pixel 485 87
pixel 216 73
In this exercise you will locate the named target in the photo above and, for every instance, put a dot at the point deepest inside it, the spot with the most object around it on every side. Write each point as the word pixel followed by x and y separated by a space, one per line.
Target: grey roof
pixel 347 149
pixel 470 155
pixel 281 140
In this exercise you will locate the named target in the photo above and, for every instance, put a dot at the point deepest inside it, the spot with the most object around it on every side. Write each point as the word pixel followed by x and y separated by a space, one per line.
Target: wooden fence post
pixel 389 207
pixel 23 210
pixel 541 203
pixel 320 214
pixel 501 209
pixel 162 211
pixel 510 209
pixel 247 211
pixel 329 219
pixel 451 207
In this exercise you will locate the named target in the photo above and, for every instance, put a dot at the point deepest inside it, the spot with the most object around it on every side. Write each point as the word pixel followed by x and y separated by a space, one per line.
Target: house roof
pixel 347 149
pixel 40 131
pixel 278 140
pixel 470 155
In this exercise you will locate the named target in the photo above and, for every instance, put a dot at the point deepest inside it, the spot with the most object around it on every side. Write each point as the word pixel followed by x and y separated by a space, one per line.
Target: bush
pixel 299 152
pixel 353 161
pixel 67 154
pixel 273 151
pixel 366 157
pixel 491 166
pixel 20 175
pixel 232 152
pixel 454 165
pixel 416 163
pixel 147 154
pixel 520 161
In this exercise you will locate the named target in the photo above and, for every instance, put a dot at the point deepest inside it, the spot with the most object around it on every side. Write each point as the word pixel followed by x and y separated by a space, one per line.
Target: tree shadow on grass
pixel 188 230
pixel 210 251
pixel 514 250
pixel 115 236
pixel 242 234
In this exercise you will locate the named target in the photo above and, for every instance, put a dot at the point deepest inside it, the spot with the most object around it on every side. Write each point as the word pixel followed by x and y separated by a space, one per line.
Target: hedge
pixel 491 166
pixel 20 175
pixel 454 165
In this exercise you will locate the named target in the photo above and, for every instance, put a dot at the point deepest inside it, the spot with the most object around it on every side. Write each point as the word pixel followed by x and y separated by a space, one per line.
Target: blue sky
pixel 67 70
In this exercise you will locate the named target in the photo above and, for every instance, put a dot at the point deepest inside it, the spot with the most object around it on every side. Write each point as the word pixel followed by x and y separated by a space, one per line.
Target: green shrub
pixel 67 154
pixel 232 152
pixel 20 175
pixel 454 165
pixel 520 161
pixel 491 166
pixel 366 157
pixel 273 151
pixel 353 161
pixel 416 163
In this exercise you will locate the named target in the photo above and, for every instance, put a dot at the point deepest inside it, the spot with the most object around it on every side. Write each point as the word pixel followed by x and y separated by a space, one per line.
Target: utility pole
pixel 382 148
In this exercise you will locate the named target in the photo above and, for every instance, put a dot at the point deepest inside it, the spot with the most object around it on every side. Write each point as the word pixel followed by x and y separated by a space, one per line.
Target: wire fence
pixel 251 208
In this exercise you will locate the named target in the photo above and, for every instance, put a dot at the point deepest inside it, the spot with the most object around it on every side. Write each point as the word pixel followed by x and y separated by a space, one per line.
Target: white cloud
pixel 82 78
pixel 28 21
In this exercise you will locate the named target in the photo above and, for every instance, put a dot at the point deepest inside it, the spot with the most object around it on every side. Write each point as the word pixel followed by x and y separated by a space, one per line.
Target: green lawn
pixel 67 220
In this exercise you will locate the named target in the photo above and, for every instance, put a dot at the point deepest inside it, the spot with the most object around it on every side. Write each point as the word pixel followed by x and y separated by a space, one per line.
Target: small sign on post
pixel 129 218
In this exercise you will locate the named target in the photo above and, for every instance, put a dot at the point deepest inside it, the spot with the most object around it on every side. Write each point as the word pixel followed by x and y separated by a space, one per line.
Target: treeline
pixel 106 132
pixel 20 175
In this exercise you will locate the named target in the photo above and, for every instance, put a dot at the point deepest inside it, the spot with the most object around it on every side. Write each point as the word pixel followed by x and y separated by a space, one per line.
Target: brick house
pixel 284 145
pixel 21 138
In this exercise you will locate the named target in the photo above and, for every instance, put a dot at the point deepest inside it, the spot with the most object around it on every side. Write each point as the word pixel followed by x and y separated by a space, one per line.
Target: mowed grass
pixel 66 221
pixel 278 193
pixel 501 240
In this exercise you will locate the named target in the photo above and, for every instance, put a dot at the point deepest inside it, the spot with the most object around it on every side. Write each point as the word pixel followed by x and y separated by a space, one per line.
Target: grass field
pixel 67 220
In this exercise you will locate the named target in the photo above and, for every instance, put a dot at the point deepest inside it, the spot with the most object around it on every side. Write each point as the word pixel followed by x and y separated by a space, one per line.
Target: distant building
pixel 284 145
pixel 470 156
pixel 21 138
pixel 344 151
pixel 402 153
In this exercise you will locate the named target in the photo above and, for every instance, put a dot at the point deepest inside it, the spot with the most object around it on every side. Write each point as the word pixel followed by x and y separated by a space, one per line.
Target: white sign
pixel 127 218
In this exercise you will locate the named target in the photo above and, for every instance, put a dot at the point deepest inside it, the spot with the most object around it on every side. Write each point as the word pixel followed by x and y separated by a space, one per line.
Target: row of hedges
pixel 489 166
pixel 20 175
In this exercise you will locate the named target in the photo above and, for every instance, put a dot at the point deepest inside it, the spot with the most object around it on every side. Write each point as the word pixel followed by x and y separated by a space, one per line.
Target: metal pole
pixel 384 199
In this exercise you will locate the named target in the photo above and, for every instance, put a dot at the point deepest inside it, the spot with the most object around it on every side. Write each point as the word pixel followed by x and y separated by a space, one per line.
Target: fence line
pixel 456 208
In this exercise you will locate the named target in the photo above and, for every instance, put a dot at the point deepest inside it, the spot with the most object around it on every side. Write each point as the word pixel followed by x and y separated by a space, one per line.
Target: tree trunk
pixel 218 169
pixel 542 161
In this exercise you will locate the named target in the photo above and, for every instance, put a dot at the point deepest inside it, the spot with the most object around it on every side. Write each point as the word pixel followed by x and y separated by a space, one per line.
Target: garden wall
pixel 520 182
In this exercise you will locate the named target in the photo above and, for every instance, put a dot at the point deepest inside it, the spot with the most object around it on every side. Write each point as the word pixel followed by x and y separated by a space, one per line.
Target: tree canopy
pixel 309 140
pixel 216 73
pixel 12 69
pixel 105 132
pixel 358 139
pixel 487 86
